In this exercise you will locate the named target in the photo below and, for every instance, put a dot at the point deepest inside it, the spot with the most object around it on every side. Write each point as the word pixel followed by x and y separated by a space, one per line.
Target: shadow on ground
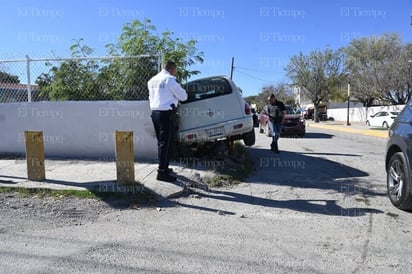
pixel 313 135
pixel 116 195
pixel 306 171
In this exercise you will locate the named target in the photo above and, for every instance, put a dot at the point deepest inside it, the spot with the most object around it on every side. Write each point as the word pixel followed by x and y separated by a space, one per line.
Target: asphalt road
pixel 319 206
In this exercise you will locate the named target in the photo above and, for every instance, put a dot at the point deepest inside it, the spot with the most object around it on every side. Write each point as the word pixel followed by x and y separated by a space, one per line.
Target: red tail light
pixel 248 111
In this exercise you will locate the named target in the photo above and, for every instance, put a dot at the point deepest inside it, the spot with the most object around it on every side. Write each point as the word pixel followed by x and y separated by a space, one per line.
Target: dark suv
pixel 292 125
pixel 397 160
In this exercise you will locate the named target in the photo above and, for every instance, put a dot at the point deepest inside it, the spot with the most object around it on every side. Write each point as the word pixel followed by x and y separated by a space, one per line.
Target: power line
pixel 253 77
pixel 256 70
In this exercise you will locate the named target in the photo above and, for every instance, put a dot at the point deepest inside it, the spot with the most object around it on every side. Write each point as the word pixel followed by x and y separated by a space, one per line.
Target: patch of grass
pixel 126 194
pixel 229 166
pixel 45 192
pixel 247 164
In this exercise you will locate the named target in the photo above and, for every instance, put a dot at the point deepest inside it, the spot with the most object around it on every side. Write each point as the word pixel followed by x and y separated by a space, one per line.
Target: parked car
pixel 382 119
pixel 293 124
pixel 322 113
pixel 398 160
pixel 215 110
pixel 323 116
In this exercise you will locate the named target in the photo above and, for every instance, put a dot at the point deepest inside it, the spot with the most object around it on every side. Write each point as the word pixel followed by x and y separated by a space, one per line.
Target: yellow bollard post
pixel 125 157
pixel 35 155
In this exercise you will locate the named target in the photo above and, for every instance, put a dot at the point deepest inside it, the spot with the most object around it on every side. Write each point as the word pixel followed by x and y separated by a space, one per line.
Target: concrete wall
pixel 357 113
pixel 78 129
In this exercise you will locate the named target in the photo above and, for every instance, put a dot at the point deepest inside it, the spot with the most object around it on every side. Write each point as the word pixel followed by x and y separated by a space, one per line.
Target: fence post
pixel 124 157
pixel 28 79
pixel 35 155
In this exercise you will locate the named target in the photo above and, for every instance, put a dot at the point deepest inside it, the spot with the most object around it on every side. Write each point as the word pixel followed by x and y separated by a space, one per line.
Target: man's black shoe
pixel 168 170
pixel 165 177
pixel 275 150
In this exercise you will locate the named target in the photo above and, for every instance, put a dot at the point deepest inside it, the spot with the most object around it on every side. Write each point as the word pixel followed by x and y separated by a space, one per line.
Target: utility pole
pixel 232 67
pixel 347 115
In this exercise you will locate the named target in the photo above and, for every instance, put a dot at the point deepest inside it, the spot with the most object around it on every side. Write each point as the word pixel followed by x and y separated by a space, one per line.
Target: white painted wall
pixel 357 113
pixel 78 129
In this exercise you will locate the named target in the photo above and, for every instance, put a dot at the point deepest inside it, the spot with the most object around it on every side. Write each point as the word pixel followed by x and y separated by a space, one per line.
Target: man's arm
pixel 283 111
pixel 177 90
pixel 283 115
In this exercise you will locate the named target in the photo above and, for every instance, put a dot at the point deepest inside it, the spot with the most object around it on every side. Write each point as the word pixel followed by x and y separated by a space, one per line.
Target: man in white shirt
pixel 164 94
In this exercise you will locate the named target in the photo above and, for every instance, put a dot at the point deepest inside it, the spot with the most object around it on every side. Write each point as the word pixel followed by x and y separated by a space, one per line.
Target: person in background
pixel 276 112
pixel 164 94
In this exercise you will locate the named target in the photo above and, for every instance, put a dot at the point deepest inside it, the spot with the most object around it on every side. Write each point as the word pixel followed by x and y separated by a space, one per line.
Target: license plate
pixel 215 131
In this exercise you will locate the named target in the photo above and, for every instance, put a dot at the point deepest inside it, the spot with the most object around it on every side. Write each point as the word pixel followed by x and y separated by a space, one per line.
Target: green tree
pixel 8 78
pixel 399 75
pixel 282 91
pixel 122 78
pixel 317 74
pixel 74 79
pixel 140 38
pixel 378 69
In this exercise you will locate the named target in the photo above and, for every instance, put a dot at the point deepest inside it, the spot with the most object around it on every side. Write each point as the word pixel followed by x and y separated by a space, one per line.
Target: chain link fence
pixel 77 79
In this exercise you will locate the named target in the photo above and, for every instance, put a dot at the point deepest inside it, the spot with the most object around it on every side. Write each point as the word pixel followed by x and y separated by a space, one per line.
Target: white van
pixel 215 110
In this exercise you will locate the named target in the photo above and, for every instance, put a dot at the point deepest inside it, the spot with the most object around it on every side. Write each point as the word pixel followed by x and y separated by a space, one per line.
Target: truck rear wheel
pixel 249 138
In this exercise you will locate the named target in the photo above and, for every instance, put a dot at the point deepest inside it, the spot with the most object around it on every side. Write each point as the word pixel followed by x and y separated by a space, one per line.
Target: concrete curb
pixel 349 129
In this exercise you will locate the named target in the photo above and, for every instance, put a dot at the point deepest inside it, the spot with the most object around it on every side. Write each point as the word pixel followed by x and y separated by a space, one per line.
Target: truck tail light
pixel 248 111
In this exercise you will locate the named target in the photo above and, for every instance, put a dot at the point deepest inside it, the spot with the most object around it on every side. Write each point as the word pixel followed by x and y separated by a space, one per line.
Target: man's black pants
pixel 163 125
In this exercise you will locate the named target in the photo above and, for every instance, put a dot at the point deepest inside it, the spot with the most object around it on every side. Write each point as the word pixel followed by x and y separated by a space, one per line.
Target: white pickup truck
pixel 215 110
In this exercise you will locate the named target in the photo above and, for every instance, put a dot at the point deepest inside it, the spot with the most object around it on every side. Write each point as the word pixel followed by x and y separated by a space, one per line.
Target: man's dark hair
pixel 170 65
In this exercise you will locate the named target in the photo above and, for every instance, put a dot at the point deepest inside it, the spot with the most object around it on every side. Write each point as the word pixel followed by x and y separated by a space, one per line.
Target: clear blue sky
pixel 261 35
